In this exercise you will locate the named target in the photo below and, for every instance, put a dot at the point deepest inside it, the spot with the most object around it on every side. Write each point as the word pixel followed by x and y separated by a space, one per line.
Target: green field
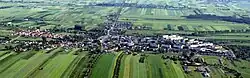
pixel 104 66
pixel 241 65
pixel 60 16
pixel 155 64
pixel 27 64
pixel 153 67
pixel 211 59
pixel 55 67
pixel 136 69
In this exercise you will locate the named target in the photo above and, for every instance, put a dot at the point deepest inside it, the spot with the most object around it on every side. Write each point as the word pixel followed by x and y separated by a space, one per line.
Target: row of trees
pixel 241 51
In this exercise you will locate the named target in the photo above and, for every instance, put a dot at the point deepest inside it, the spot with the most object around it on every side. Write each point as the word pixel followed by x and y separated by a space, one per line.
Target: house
pixel 207 69
pixel 205 74
pixel 201 69
pixel 186 69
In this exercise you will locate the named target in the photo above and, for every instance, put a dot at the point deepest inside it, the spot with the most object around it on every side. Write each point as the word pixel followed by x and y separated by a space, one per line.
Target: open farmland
pixel 56 66
pixel 136 69
pixel 108 61
pixel 153 67
pixel 157 68
pixel 190 25
pixel 124 39
pixel 48 17
pixel 28 66
pixel 148 13
pixel 173 69
pixel 131 67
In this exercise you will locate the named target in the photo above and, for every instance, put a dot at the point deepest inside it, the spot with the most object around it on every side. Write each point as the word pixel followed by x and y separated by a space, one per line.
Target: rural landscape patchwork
pixel 124 38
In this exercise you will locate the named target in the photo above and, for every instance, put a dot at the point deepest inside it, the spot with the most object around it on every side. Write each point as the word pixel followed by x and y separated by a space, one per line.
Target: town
pixel 124 39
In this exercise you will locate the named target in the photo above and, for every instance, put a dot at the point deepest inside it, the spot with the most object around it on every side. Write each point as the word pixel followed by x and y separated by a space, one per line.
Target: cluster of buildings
pixel 113 39
pixel 37 33
pixel 3 40
pixel 142 5
pixel 143 27
pixel 163 43
pixel 108 43
pixel 219 1
pixel 22 46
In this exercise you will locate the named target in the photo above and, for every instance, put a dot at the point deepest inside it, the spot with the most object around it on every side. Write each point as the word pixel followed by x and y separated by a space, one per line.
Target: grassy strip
pixel 35 64
pixel 80 70
pixel 15 68
pixel 156 65
pixel 73 66
pixel 6 56
pixel 178 70
pixel 2 53
pixel 117 65
pixel 104 66
pixel 6 63
pixel 123 67
pixel 56 66
pixel 136 69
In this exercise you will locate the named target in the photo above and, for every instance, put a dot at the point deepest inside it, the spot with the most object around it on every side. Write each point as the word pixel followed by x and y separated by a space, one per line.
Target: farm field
pixel 223 37
pixel 132 12
pixel 193 74
pixel 234 34
pixel 65 64
pixel 211 59
pixel 70 70
pixel 155 64
pixel 79 54
pixel 173 69
pixel 191 25
pixel 28 66
pixel 153 67
pixel 106 60
pixel 240 65
pixel 154 32
pixel 56 66
pixel 48 17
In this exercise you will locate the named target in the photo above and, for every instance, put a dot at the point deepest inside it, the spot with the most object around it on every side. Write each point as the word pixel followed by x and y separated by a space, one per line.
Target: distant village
pixel 114 40
pixel 128 44
pixel 110 37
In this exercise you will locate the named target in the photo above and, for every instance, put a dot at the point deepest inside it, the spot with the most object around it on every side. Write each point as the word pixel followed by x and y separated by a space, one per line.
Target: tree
pixel 192 54
pixel 44 39
pixel 9 47
pixel 79 27
pixel 7 38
